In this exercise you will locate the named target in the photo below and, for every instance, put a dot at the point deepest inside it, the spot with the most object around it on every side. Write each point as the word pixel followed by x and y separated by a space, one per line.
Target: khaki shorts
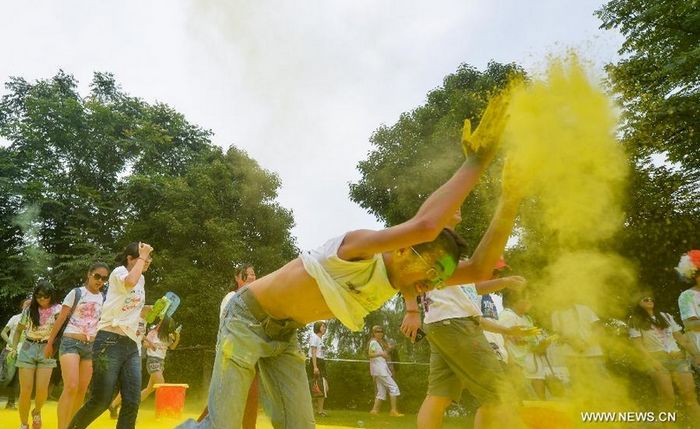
pixel 461 358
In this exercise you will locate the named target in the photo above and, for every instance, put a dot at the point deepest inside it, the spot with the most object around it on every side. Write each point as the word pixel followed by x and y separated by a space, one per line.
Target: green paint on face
pixel 446 266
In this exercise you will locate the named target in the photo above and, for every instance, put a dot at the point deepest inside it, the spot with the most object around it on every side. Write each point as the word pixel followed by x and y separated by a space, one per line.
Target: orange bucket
pixel 170 399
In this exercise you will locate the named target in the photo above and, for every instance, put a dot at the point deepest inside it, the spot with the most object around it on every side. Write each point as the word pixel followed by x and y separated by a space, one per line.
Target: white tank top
pixel 351 289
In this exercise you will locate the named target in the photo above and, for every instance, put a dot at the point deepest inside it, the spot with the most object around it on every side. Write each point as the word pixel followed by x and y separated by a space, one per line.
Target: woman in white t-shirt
pixel 36 323
pixel 656 335
pixel 379 370
pixel 115 352
pixel 317 362
pixel 80 312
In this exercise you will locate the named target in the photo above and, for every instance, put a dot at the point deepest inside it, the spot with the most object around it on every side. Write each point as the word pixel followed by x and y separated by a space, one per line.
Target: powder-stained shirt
pixel 450 303
pixel 519 348
pixel 47 318
pixel 577 322
pixel 159 348
pixel 351 289
pixel 87 312
pixel 656 339
pixel 122 307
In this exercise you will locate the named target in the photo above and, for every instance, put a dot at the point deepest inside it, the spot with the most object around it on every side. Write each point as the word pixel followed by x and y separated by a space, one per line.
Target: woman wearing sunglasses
pixel 115 350
pixel 37 321
pixel 80 313
pixel 657 335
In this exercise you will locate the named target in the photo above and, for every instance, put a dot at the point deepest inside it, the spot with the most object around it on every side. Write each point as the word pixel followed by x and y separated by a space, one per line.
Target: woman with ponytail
pixel 115 350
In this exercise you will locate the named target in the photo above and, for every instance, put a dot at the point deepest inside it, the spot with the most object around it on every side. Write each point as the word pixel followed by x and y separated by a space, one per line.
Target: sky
pixel 298 85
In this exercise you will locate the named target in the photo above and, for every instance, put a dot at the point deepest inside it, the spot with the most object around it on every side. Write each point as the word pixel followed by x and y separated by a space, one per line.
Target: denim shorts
pixel 31 355
pixel 673 362
pixel 154 364
pixel 71 345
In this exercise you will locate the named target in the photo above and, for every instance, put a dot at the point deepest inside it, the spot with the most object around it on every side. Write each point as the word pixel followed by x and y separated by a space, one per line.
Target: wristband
pixel 412 311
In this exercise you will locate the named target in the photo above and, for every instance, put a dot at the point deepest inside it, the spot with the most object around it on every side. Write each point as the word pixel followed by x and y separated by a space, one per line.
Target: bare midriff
pixel 291 293
pixel 114 330
pixel 79 337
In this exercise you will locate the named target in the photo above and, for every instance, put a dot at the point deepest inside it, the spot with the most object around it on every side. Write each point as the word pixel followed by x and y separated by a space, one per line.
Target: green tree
pixel 413 157
pixel 659 75
pixel 84 176
pixel 658 79
pixel 220 213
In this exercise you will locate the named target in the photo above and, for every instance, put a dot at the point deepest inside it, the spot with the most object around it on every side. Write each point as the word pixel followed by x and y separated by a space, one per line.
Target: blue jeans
pixel 246 337
pixel 115 359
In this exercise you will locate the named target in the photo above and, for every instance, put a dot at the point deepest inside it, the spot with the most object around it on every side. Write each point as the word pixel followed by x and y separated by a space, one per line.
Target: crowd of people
pixel 95 335
pixel 346 278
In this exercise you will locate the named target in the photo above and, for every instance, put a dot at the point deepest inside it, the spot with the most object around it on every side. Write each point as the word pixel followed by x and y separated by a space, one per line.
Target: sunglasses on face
pixel 433 275
pixel 378 332
pixel 43 296
pixel 648 299
pixel 100 277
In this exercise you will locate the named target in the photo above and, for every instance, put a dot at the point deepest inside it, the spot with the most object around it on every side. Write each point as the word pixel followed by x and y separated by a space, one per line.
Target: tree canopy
pixel 84 176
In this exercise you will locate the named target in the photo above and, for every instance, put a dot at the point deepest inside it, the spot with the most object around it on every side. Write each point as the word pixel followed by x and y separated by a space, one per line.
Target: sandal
pixel 36 419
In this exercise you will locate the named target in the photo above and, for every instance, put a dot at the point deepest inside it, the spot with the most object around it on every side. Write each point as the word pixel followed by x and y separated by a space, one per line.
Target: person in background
pixel 317 363
pixel 115 350
pixel 244 276
pixel 34 368
pixel 80 312
pixel 165 336
pixel 381 374
pixel 525 354
pixel 579 330
pixel 7 334
pixel 657 336
pixel 688 270
pixel 346 278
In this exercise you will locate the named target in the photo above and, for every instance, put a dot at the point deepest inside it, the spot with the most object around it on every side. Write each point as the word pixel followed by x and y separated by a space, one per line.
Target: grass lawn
pixel 9 419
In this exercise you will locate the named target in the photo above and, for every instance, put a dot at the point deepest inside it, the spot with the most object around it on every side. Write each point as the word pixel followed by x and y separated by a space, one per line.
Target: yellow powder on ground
pixel 9 419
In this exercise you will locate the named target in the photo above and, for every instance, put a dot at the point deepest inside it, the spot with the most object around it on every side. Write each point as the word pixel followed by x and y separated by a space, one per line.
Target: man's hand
pixel 516 283
pixel 482 144
pixel 145 310
pixel 410 325
pixel 316 371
